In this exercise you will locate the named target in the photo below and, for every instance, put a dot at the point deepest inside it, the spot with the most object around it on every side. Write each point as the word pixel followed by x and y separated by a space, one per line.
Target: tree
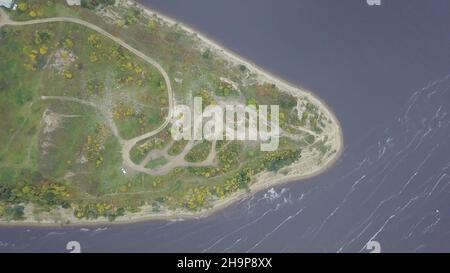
pixel 15 213
pixel 23 6
pixel 206 54
pixel 151 24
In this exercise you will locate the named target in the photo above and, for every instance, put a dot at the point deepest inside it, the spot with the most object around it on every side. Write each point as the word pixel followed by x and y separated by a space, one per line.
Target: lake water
pixel 384 71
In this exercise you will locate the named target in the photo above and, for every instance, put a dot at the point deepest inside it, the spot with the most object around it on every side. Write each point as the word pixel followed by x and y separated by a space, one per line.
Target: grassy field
pixel 62 85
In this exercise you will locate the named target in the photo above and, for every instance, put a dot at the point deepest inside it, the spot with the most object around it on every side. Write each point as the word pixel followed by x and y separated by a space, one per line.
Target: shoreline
pixel 257 186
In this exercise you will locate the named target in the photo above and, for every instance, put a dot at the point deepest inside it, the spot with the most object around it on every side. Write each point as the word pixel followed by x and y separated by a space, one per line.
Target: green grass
pixel 177 147
pixel 82 153
pixel 48 9
pixel 156 163
pixel 199 152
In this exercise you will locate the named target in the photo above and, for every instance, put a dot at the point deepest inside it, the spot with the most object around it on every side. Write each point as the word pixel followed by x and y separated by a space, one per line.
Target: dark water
pixel 384 70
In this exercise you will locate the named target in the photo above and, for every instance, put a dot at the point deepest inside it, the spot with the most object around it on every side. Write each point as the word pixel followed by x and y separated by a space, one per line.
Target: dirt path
pixel 107 114
pixel 178 160
pixel 127 145
pixel 4 19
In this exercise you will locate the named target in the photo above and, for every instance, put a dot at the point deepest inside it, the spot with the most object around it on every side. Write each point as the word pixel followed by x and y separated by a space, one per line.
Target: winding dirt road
pixel 127 145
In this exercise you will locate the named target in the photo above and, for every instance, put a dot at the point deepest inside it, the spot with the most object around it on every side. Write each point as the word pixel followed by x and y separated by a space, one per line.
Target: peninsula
pixel 89 92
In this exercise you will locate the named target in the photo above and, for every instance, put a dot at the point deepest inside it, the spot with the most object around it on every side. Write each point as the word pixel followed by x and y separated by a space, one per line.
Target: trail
pixel 127 145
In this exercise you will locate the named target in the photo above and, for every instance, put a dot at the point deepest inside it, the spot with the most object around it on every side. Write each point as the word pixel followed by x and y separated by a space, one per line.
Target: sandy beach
pixel 262 182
